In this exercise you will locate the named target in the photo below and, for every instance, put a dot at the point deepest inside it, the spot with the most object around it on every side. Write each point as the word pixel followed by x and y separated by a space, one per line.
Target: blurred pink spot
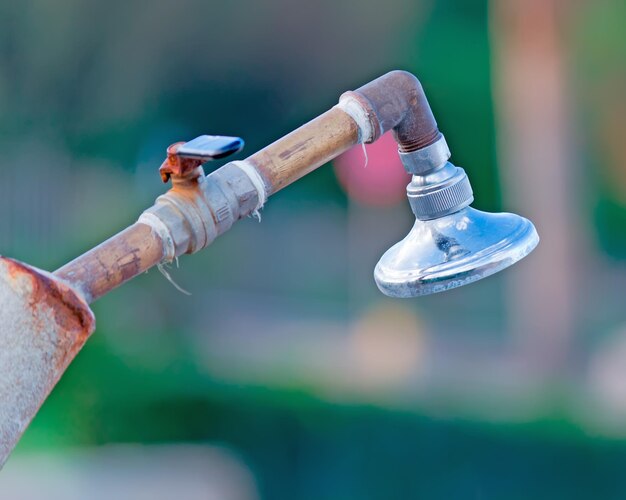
pixel 382 182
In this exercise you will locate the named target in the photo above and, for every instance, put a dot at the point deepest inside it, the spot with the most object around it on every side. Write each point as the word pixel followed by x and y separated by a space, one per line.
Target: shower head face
pixel 454 250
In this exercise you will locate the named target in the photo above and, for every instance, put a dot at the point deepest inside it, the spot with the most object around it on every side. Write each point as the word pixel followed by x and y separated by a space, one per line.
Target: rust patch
pixel 396 101
pixel 176 166
pixel 44 323
pixel 71 312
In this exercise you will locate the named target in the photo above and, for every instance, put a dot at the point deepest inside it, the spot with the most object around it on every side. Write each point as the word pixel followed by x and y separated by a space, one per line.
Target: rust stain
pixel 71 313
pixel 185 187
pixel 176 166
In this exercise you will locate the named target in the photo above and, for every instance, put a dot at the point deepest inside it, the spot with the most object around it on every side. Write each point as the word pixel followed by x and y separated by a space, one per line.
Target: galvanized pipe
pixel 56 320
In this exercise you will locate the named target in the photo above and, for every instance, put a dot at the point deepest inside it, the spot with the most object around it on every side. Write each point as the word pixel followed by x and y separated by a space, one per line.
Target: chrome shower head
pixel 450 244
pixel 452 251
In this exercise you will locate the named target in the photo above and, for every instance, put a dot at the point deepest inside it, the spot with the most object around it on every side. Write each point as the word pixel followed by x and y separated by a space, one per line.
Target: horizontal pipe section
pixel 120 258
pixel 305 149
pixel 394 101
pixel 138 248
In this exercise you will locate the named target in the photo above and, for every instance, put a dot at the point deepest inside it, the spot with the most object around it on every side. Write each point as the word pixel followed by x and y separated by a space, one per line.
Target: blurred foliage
pixel 599 42
pixel 301 447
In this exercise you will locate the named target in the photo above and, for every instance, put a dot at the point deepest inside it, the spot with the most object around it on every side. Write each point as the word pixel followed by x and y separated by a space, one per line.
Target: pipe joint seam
pixel 361 116
pixel 255 178
pixel 426 159
pixel 162 231
pixel 191 215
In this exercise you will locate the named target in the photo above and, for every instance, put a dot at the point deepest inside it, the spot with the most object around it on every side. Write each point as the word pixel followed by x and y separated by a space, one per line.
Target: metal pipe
pixel 305 149
pixel 395 101
pixel 45 318
pixel 43 324
pixel 197 208
pixel 123 256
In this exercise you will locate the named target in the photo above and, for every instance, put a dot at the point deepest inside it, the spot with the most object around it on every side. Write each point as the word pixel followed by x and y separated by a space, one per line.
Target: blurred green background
pixel 286 366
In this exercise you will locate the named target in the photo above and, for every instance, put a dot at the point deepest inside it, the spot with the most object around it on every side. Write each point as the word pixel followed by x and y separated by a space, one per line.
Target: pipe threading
pixel 408 146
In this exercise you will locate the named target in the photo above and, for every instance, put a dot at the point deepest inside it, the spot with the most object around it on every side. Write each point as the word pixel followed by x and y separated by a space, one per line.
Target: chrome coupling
pixel 437 188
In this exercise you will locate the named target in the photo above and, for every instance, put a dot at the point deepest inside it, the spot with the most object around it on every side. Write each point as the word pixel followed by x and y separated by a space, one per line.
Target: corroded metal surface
pixel 43 325
pixel 177 166
pixel 396 101
pixel 120 258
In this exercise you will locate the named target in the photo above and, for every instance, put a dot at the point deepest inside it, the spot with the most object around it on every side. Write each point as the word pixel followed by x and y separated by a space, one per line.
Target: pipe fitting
pixel 198 209
pixel 184 213
pixel 444 192
pixel 396 101
pixel 355 108
pixel 437 187
pixel 426 159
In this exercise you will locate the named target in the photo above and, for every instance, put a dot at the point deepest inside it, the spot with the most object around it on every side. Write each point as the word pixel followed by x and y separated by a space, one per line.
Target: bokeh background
pixel 286 374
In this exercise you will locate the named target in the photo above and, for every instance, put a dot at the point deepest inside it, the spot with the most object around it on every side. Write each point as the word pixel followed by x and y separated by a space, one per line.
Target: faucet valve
pixel 183 158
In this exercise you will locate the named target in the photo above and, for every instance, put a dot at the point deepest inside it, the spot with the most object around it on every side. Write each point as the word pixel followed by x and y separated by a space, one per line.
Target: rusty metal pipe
pixel 396 101
pixel 120 258
pixel 45 318
pixel 140 247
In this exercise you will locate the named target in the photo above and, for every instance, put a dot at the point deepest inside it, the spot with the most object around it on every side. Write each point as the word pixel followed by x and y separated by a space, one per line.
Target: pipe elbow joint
pixel 396 101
